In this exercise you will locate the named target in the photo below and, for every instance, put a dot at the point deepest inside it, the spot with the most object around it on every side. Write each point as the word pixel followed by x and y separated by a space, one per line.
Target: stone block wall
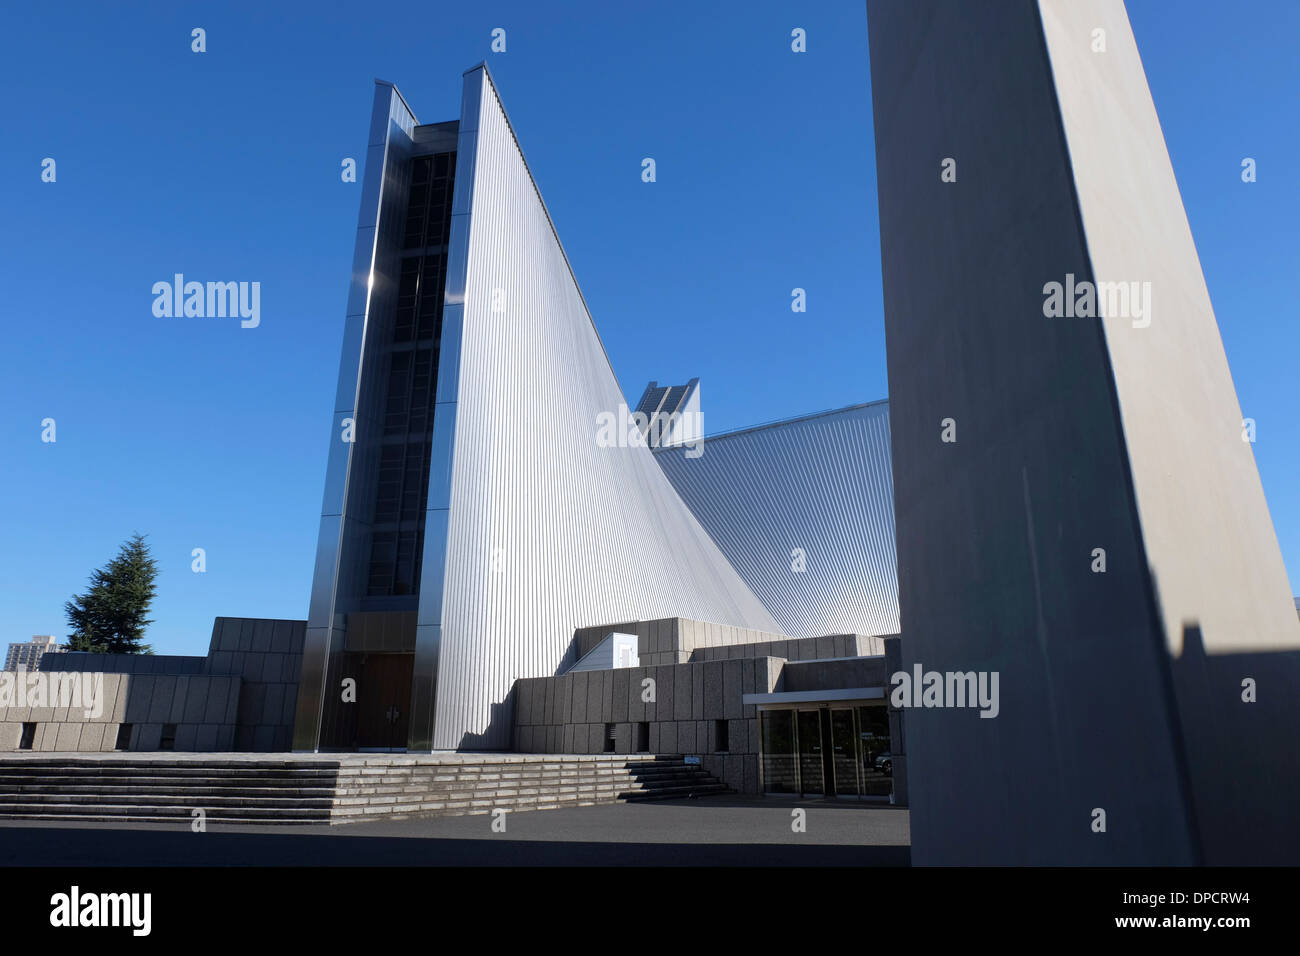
pixel 240 697
pixel 571 713
pixel 679 640
pixel 826 675
pixel 796 648
pixel 124 663
pixel 266 655
pixel 669 640
pixel 202 709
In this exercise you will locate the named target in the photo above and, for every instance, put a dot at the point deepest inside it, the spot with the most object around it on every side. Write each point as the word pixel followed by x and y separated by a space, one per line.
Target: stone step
pixel 495 772
pixel 436 781
pixel 11 772
pixel 233 766
pixel 293 792
pixel 282 791
pixel 449 780
pixel 156 799
pixel 462 808
pixel 131 781
pixel 673 793
pixel 529 797
pixel 169 790
pixel 541 774
pixel 8 783
pixel 145 818
pixel 514 767
pixel 120 811
pixel 534 760
pixel 615 789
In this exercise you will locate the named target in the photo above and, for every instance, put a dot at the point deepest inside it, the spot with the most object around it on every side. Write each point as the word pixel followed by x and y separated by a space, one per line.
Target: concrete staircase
pixel 161 790
pixel 514 782
pixel 292 788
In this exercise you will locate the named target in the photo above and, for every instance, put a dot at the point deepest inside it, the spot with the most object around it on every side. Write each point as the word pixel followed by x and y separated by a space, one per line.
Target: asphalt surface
pixel 727 831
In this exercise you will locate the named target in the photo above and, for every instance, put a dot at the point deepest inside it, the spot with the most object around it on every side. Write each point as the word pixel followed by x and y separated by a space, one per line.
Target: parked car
pixel 885 763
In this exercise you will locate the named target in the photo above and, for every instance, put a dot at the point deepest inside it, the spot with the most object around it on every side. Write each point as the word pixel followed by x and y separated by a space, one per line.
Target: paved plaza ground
pixel 723 831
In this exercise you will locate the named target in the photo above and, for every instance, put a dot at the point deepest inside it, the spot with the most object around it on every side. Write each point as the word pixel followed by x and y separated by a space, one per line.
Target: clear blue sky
pixel 225 165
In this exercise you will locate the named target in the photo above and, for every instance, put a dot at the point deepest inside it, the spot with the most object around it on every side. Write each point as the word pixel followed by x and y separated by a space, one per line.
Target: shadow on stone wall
pixel 1237 719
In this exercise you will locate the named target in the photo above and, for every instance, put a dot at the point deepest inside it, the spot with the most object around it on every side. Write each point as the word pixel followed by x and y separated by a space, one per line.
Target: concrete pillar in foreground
pixel 1044 432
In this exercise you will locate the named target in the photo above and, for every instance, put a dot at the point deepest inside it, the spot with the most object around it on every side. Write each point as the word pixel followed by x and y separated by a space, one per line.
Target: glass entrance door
pixel 841 750
pixel 875 759
pixel 844 752
pixel 810 747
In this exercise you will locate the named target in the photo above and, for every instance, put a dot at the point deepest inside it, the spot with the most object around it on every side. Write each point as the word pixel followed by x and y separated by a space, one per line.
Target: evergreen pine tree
pixel 110 616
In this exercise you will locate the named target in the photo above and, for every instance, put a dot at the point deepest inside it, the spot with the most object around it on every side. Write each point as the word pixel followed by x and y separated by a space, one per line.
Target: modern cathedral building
pixel 461 544
pixel 613 582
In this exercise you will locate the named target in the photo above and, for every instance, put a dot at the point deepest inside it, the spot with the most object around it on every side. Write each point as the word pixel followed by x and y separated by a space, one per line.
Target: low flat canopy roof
pixel 813 696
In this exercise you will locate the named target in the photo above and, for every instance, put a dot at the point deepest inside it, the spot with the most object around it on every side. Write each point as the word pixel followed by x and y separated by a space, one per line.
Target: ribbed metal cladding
pixel 821 484
pixel 546 531
pixel 336 578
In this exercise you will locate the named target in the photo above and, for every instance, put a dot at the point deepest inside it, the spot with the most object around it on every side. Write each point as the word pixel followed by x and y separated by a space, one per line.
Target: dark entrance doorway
pixel 383 700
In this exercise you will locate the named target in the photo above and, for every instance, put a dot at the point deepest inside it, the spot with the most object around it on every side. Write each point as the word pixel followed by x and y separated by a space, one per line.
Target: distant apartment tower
pixel 27 655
